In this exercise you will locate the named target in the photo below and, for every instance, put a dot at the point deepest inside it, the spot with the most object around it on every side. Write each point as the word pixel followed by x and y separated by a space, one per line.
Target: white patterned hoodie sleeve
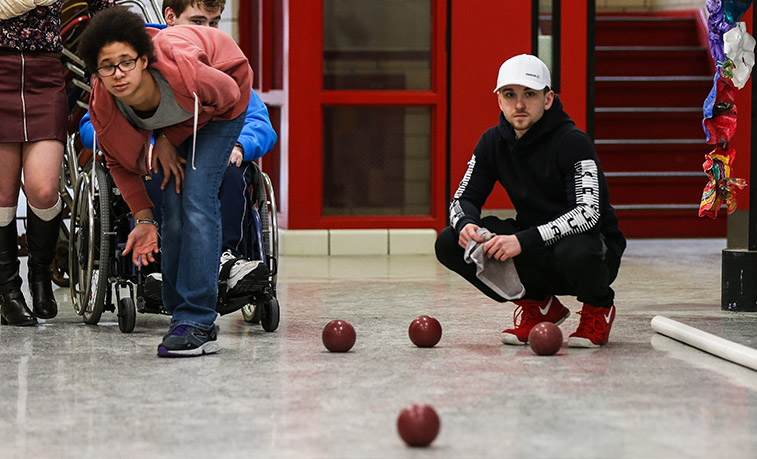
pixel 474 188
pixel 585 215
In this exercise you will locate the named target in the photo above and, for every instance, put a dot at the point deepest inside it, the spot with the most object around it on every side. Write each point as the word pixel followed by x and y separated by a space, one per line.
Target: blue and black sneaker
pixel 187 341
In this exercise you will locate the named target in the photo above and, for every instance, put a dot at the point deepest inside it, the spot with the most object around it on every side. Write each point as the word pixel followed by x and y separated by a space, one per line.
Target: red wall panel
pixel 573 60
pixel 305 161
pixel 482 38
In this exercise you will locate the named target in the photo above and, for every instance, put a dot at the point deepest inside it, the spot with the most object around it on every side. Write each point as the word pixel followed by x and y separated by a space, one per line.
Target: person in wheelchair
pixel 192 85
pixel 256 139
pixel 34 120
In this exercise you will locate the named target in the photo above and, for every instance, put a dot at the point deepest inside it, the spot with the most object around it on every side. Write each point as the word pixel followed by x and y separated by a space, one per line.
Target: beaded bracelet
pixel 148 220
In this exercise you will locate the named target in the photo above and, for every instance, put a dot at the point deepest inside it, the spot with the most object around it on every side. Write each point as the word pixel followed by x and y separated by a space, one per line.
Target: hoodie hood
pixel 209 76
pixel 190 57
pixel 552 119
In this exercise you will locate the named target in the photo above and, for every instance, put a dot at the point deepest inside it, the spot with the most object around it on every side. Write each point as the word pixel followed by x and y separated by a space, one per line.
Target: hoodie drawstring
pixel 194 132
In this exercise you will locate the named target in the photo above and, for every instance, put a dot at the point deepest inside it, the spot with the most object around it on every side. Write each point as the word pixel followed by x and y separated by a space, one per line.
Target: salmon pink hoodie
pixel 210 77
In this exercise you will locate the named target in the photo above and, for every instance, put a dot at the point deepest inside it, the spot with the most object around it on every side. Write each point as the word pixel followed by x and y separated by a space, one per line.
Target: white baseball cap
pixel 525 70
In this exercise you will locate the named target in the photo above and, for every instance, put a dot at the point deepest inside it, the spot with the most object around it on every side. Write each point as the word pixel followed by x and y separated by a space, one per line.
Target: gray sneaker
pixel 243 276
pixel 187 341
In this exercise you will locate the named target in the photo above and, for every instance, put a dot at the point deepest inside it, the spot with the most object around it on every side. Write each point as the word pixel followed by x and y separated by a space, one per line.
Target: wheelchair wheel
pixel 269 317
pixel 270 227
pixel 251 313
pixel 89 244
pixel 127 315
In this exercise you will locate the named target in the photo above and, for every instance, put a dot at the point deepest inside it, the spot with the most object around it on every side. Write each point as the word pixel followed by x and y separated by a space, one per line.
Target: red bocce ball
pixel 418 424
pixel 338 336
pixel 425 331
pixel 545 338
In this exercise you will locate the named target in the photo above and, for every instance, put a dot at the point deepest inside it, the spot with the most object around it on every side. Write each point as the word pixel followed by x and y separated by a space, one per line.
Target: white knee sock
pixel 48 214
pixel 7 214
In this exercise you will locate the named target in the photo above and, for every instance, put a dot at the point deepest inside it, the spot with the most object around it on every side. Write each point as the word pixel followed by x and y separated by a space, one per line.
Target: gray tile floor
pixel 72 390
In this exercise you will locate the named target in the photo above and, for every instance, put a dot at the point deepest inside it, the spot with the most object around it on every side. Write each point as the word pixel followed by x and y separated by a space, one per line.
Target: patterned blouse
pixel 39 29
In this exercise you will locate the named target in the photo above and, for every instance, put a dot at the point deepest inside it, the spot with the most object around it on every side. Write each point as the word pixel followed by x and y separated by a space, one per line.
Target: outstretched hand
pixel 142 243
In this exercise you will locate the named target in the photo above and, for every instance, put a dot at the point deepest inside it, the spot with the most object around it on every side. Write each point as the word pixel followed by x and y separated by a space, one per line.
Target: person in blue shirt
pixel 256 139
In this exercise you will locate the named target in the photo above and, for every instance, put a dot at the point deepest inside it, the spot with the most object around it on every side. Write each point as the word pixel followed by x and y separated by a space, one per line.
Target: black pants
pixel 580 265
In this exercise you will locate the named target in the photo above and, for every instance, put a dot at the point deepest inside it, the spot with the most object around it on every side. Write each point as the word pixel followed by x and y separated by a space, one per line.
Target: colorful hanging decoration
pixel 720 128
pixel 733 10
pixel 720 112
pixel 717 26
pixel 738 46
pixel 721 187
pixel 732 48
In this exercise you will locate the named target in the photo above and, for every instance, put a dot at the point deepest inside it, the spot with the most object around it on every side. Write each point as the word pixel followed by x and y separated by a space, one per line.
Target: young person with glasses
pixel 256 139
pixel 192 84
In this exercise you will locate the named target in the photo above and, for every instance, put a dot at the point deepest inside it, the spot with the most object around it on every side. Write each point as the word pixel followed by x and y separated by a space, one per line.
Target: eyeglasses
pixel 124 66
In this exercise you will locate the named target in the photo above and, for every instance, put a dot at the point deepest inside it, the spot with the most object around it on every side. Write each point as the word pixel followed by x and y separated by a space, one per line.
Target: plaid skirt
pixel 32 96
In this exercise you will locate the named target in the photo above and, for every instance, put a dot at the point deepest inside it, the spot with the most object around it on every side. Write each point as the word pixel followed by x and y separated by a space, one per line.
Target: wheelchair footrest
pixel 230 304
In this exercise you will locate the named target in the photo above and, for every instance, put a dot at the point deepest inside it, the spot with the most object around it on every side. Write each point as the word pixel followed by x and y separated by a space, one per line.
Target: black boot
pixel 41 239
pixel 13 309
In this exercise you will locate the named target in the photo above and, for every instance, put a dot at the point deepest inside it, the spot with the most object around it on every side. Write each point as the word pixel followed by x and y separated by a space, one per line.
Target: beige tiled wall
pixel 357 242
pixel 417 161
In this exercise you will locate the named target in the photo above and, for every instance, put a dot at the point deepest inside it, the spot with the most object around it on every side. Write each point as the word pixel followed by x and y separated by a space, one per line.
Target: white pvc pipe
pixel 715 345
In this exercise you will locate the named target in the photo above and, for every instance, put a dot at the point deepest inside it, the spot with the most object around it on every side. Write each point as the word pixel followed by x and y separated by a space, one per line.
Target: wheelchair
pixel 103 279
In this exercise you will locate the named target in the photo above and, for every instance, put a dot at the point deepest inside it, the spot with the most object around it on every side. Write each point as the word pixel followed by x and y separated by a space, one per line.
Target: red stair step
pixel 649 31
pixel 647 91
pixel 670 224
pixel 650 123
pixel 656 190
pixel 652 155
pixel 646 61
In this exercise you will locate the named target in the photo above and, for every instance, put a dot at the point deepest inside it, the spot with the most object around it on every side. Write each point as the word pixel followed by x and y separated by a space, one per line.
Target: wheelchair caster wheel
pixel 269 318
pixel 127 315
pixel 251 313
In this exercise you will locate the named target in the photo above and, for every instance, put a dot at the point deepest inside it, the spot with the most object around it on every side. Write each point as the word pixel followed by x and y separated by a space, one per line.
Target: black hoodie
pixel 552 176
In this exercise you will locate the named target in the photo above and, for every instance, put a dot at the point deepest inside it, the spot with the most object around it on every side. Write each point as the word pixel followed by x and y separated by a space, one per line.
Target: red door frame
pixel 307 98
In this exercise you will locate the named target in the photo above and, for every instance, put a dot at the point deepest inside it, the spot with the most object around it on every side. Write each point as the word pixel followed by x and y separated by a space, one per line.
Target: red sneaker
pixel 532 312
pixel 594 328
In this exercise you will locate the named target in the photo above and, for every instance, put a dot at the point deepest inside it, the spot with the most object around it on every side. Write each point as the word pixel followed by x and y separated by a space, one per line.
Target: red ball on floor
pixel 425 331
pixel 338 336
pixel 418 424
pixel 545 338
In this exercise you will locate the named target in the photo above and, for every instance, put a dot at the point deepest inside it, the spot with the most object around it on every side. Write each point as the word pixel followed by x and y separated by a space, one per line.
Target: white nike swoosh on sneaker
pixel 545 309
pixel 609 314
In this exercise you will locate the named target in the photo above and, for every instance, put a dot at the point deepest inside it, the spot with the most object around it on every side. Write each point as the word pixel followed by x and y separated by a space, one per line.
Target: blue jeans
pixel 191 228
pixel 235 206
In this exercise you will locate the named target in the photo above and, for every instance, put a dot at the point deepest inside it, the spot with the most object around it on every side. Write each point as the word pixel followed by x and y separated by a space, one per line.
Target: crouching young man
pixel 565 239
